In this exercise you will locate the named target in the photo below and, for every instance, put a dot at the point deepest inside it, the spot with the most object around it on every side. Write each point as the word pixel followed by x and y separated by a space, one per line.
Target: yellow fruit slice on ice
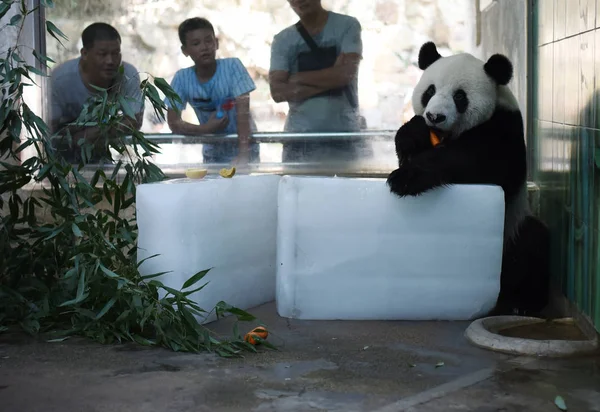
pixel 228 173
pixel 196 173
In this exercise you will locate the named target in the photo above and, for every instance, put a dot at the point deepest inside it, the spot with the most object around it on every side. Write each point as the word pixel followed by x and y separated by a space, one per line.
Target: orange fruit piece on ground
pixel 258 332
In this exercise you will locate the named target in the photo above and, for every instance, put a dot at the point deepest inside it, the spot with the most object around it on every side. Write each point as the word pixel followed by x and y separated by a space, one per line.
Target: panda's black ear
pixel 499 68
pixel 428 55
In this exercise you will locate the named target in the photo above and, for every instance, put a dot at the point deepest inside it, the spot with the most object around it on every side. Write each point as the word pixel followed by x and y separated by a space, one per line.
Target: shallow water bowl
pixel 529 336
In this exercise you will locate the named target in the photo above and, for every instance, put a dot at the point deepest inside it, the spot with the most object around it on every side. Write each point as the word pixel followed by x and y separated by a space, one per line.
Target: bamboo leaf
pixel 4 8
pixel 187 293
pixel 106 307
pixel 57 272
pixel 74 301
pixel 16 19
pixel 560 403
pixel 55 31
pixel 126 107
pixel 42 58
pixel 76 230
pixel 108 272
pixel 155 275
pixel 194 279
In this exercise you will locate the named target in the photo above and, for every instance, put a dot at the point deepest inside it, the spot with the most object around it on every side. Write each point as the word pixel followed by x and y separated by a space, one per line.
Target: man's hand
pixel 284 90
pixel 214 125
pixel 242 159
pixel 348 65
pixel 344 70
pixel 179 126
pixel 344 66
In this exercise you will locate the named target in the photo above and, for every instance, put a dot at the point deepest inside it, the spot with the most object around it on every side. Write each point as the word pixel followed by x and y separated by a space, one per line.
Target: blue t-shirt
pixel 230 80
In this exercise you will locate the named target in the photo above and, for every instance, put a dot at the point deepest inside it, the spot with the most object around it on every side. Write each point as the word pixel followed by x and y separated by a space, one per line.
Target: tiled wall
pixel 565 144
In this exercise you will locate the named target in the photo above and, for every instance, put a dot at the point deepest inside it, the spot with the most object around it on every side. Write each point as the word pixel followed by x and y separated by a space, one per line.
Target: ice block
pixel 349 249
pixel 227 224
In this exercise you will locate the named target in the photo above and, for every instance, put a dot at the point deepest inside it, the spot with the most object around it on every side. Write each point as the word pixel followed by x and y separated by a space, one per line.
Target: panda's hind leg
pixel 525 278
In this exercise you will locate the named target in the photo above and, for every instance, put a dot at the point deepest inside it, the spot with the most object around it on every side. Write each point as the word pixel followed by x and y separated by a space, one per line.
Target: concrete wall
pixel 503 29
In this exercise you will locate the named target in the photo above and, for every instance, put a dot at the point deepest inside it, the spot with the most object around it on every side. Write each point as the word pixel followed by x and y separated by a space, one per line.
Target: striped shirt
pixel 230 81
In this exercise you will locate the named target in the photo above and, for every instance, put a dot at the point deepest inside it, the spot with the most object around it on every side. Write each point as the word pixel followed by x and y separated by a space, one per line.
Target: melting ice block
pixel 350 249
pixel 227 224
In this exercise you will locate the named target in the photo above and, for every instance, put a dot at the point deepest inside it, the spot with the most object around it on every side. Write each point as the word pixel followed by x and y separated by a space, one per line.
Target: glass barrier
pixel 375 150
pixel 211 50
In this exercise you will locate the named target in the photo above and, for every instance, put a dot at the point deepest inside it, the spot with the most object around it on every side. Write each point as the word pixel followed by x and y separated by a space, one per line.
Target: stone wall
pixel 393 30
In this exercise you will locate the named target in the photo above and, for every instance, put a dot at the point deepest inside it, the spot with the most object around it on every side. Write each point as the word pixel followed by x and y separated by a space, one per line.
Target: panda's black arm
pixel 450 165
pixel 412 138
pixel 492 153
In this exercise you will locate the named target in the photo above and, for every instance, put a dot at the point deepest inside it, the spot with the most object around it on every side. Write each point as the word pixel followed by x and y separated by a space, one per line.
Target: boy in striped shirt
pixel 219 92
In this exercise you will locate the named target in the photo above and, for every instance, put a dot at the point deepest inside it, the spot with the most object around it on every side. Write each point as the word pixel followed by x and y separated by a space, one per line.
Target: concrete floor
pixel 321 366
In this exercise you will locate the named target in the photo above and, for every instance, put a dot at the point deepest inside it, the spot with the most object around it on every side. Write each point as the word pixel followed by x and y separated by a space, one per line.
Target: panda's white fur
pixel 467 103
pixel 461 71
pixel 466 72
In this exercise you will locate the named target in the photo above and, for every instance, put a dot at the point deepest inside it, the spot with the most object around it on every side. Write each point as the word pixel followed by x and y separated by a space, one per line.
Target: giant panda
pixel 467 104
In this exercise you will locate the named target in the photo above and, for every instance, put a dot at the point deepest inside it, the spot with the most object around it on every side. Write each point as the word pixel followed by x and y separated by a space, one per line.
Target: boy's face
pixel 104 57
pixel 201 46
pixel 305 7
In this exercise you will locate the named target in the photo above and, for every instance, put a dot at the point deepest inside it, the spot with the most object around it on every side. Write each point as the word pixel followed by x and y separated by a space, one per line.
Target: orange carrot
pixel 433 138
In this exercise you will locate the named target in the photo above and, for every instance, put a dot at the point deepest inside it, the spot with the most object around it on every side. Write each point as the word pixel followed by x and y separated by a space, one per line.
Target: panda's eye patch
pixel 429 93
pixel 460 100
pixel 459 95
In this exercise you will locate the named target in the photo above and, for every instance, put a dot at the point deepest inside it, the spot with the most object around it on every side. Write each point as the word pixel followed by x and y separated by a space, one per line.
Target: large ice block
pixel 350 249
pixel 227 224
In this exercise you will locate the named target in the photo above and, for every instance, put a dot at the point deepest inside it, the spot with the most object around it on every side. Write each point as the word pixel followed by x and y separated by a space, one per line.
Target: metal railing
pixel 378 161
pixel 274 137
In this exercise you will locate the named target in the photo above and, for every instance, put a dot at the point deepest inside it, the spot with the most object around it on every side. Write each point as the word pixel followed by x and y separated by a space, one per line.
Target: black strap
pixel 314 47
pixel 307 37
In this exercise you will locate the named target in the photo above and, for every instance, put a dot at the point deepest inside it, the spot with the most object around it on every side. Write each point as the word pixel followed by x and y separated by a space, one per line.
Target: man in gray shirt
pixel 71 87
pixel 323 94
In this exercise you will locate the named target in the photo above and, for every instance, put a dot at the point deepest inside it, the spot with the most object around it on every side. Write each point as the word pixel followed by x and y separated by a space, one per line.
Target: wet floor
pixel 321 366
pixel 549 330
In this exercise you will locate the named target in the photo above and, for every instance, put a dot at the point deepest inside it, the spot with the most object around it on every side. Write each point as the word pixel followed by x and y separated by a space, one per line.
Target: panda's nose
pixel 435 118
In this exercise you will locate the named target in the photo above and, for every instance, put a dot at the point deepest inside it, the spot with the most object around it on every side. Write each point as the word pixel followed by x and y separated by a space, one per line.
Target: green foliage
pixel 76 271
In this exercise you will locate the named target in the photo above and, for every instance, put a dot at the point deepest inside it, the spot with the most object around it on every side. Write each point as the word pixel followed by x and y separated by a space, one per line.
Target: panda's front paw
pixel 410 181
pixel 412 137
